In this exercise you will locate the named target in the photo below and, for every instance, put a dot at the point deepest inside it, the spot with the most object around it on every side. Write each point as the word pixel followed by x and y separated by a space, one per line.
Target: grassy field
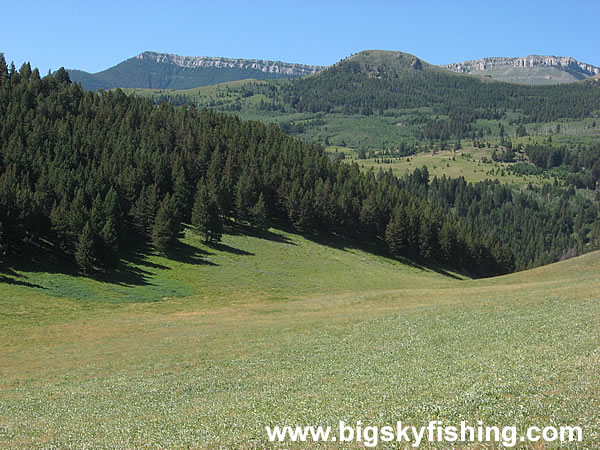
pixel 466 163
pixel 207 348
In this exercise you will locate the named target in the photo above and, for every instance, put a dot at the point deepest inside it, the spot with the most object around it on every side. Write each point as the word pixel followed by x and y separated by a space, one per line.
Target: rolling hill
pixel 283 330
pixel 175 277
pixel 166 71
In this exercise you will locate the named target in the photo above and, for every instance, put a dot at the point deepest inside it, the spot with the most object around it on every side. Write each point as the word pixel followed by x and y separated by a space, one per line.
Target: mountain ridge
pixel 156 70
pixel 267 66
pixel 531 69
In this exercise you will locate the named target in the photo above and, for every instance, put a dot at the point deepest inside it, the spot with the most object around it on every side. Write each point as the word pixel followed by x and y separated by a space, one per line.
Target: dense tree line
pixel 540 228
pixel 582 163
pixel 87 172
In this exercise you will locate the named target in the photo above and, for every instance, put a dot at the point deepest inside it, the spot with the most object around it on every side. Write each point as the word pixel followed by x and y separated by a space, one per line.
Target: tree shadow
pixel 138 258
pixel 336 242
pixel 18 282
pixel 226 248
pixel 237 229
pixel 48 259
pixel 125 275
pixel 189 254
pixel 378 248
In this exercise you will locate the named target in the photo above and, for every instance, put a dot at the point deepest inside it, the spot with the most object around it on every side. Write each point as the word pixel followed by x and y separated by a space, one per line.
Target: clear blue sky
pixel 96 35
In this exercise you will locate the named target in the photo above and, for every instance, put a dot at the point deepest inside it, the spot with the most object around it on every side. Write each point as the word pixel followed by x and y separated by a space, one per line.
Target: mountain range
pixel 167 71
pixel 153 70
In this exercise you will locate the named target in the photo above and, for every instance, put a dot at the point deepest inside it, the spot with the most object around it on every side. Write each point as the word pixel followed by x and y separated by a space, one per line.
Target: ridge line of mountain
pixel 567 62
pixel 280 67
pixel 151 69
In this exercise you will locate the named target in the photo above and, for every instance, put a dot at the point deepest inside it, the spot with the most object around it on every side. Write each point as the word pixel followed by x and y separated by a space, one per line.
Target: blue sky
pixel 96 35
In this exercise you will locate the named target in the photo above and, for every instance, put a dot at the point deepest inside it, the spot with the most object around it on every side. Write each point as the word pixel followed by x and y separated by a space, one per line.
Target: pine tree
pixel 166 226
pixel 244 197
pixel 110 243
pixel 305 219
pixel 448 242
pixel 181 193
pixel 392 231
pixel 60 226
pixel 260 218
pixel 144 210
pixel 369 216
pixel 206 217
pixel 3 69
pixel 85 250
pixel 97 215
pixel 2 238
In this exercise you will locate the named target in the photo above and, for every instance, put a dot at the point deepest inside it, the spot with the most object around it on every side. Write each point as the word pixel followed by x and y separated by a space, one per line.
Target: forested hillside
pixel 380 100
pixel 84 173
pixel 372 82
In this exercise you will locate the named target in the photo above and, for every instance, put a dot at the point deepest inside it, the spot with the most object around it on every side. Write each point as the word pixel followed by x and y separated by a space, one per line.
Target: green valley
pixel 287 331
pixel 381 240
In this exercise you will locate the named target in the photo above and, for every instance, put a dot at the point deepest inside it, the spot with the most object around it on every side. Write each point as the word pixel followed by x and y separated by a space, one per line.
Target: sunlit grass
pixel 287 331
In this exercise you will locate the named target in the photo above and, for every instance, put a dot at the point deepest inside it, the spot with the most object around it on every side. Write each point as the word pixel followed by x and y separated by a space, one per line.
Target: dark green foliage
pixel 206 217
pixel 538 227
pixel 2 238
pixel 109 236
pixel 359 86
pixel 260 216
pixel 182 195
pixel 448 242
pixel 85 250
pixel 245 196
pixel 166 226
pixel 121 168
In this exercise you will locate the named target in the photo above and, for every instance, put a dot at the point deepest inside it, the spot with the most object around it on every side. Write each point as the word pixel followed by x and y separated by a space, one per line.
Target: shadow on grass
pixel 189 254
pixel 46 259
pixel 237 229
pixel 18 282
pixel 124 275
pixel 226 248
pixel 379 249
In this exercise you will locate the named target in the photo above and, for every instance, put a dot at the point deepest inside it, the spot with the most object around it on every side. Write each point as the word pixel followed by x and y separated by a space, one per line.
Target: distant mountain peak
pixel 168 71
pixel 194 62
pixel 379 63
pixel 535 69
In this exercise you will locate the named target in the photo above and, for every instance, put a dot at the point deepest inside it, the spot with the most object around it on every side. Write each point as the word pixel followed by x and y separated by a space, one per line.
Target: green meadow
pixel 474 164
pixel 208 347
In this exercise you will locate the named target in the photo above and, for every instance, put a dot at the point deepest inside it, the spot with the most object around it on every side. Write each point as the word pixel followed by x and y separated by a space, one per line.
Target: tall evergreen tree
pixel 85 251
pixel 206 217
pixel 260 217
pixel 110 244
pixel 244 197
pixel 181 193
pixel 2 239
pixel 448 242
pixel 166 227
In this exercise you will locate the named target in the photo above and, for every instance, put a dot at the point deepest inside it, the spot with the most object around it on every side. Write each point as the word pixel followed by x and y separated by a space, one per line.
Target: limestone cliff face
pixel 562 63
pixel 277 67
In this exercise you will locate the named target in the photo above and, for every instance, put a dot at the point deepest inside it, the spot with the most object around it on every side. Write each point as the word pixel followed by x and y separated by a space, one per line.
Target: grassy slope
pixel 286 331
pixel 463 165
